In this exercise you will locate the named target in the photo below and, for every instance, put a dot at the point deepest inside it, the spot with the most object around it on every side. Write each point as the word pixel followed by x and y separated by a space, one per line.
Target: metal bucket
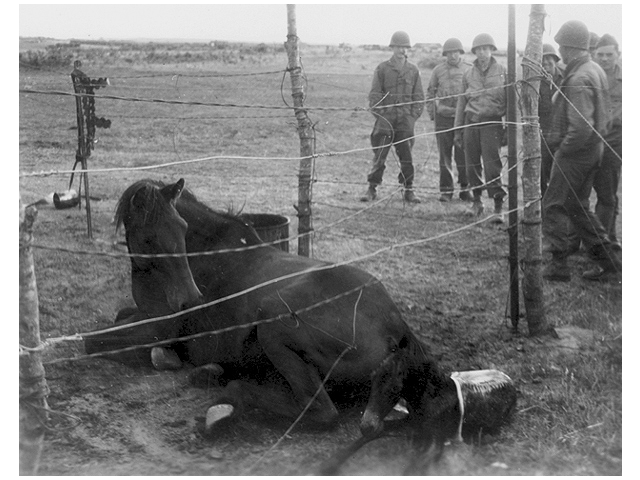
pixel 270 228
pixel 68 199
pixel 487 398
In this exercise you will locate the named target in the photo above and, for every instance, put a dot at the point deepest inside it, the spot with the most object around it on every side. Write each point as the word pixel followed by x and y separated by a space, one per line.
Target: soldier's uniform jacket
pixel 394 85
pixel 485 95
pixel 615 96
pixel 547 89
pixel 444 86
pixel 580 108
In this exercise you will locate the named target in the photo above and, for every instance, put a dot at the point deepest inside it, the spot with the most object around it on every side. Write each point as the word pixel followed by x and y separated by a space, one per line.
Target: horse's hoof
pixel 206 376
pixel 165 359
pixel 399 411
pixel 217 417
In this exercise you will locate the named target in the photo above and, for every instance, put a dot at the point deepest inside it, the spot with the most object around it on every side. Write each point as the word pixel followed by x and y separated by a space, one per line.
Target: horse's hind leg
pixel 283 403
pixel 239 396
pixel 309 394
pixel 303 399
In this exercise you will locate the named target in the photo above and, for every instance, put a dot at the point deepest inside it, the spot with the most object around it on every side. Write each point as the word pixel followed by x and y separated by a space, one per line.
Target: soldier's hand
pixel 457 139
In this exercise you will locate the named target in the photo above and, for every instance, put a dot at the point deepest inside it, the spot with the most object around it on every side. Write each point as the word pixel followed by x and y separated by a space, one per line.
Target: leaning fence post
pixel 532 287
pixel 33 385
pixel 305 132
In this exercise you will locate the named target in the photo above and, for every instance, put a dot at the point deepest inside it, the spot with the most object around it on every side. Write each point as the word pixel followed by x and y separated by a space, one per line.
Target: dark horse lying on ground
pixel 328 332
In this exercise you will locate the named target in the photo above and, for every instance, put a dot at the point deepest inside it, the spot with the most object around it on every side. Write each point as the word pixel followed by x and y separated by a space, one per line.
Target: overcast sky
pixel 371 23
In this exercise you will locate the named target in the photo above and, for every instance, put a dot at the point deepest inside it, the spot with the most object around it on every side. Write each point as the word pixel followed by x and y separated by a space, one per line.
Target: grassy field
pixel 452 288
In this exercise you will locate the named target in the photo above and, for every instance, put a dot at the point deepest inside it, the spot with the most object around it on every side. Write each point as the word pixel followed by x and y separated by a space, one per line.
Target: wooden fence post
pixel 33 385
pixel 532 219
pixel 305 132
pixel 512 157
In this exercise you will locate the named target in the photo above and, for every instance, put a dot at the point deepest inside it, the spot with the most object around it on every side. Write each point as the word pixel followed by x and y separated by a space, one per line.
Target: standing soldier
pixel 397 101
pixel 480 111
pixel 608 177
pixel 444 87
pixel 593 43
pixel 580 120
pixel 548 86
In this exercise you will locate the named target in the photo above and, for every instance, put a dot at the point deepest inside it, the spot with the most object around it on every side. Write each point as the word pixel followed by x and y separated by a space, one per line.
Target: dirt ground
pixel 111 419
pixel 452 288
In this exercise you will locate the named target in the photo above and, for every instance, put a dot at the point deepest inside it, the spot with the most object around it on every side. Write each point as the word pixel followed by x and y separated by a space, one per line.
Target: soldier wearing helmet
pixel 479 115
pixel 594 38
pixel 396 100
pixel 442 96
pixel 580 120
pixel 607 179
pixel 548 85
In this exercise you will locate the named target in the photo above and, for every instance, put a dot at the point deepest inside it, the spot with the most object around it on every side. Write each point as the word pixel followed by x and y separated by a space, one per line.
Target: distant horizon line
pixel 195 40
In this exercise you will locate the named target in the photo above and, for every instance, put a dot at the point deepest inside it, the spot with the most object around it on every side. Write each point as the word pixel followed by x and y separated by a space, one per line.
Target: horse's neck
pixel 208 228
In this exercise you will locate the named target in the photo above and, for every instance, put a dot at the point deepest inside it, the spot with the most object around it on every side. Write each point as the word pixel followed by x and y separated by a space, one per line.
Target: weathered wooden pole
pixel 305 132
pixel 512 157
pixel 84 87
pixel 33 385
pixel 532 218
pixel 83 151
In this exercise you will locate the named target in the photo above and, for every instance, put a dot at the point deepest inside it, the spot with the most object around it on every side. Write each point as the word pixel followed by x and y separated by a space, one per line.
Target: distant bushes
pixel 54 56
pixel 100 52
pixel 430 60
pixel 62 55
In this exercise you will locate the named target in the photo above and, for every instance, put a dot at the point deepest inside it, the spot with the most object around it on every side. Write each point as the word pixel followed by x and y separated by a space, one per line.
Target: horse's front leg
pixel 133 345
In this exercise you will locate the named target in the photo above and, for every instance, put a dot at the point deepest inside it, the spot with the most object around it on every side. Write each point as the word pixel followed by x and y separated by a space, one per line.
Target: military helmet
pixel 573 34
pixel 481 40
pixel 452 45
pixel 593 40
pixel 400 39
pixel 547 49
pixel 607 40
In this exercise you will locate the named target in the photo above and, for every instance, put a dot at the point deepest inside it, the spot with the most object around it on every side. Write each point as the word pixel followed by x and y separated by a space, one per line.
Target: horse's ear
pixel 173 192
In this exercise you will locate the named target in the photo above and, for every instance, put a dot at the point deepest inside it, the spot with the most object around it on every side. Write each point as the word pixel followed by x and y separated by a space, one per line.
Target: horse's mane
pixel 188 205
pixel 151 191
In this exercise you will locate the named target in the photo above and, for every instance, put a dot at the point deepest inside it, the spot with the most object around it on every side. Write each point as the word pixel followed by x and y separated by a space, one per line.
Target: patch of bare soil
pixel 144 422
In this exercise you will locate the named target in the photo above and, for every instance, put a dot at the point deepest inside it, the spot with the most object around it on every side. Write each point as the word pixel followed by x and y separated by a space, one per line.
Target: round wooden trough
pixel 270 228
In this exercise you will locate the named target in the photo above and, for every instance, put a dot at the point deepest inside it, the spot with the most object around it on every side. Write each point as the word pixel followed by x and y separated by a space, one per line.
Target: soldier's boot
pixel 370 195
pixel 558 269
pixel 608 264
pixel 476 209
pixel 498 216
pixel 410 196
pixel 465 195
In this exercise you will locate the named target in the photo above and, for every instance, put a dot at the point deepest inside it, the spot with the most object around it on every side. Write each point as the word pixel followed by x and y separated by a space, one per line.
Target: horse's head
pixel 154 227
pixel 409 372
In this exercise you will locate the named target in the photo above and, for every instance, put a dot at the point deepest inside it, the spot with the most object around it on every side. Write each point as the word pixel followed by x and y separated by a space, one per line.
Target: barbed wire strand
pixel 160 343
pixel 331 266
pixel 389 248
